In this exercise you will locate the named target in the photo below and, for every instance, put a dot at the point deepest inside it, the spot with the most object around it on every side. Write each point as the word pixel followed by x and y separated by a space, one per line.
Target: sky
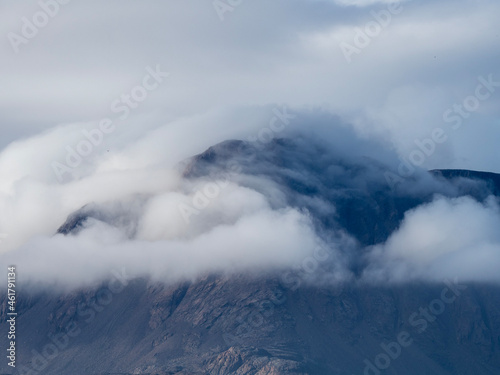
pixel 427 58
pixel 164 80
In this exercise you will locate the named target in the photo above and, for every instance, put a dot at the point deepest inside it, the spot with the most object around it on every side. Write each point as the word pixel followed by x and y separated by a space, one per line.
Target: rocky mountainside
pixel 274 323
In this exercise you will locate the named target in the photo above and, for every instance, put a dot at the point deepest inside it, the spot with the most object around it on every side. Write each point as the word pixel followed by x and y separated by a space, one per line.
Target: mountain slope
pixel 287 322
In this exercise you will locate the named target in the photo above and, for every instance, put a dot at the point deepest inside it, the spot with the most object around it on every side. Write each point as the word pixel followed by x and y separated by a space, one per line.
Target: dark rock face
pixel 312 178
pixel 116 214
pixel 257 326
pixel 490 182
pixel 268 325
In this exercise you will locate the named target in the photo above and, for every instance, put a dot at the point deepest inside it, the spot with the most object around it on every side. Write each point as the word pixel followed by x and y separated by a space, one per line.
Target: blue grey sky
pixel 257 53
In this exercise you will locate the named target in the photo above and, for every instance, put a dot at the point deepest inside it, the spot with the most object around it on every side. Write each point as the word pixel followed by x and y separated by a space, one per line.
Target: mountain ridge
pixel 288 322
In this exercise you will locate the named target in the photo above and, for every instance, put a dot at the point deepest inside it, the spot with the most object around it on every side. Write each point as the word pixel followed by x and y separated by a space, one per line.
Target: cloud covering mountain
pixel 255 206
pixel 86 125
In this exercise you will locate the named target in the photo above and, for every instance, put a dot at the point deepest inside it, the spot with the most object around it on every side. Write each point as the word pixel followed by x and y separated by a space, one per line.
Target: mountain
pixel 283 322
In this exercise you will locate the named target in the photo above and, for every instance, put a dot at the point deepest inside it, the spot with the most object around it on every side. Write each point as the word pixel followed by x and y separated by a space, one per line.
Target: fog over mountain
pixel 256 206
pixel 291 255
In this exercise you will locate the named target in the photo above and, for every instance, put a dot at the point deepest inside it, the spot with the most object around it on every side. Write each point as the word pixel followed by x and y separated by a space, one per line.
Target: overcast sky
pixel 259 52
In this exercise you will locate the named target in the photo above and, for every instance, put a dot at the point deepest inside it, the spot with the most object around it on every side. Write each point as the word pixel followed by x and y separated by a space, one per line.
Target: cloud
pixel 447 238
pixel 245 206
pixel 254 206
pixel 262 241
pixel 69 74
pixel 134 196
pixel 227 79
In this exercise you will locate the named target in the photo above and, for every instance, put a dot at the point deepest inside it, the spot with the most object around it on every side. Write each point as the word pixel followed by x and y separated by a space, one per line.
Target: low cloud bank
pixel 447 238
pixel 287 191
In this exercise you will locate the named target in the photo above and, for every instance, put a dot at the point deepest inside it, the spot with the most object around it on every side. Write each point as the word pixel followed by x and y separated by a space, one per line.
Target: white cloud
pixel 264 241
pixel 447 238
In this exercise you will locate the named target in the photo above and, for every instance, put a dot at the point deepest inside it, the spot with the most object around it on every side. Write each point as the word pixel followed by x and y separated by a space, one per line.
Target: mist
pixel 254 206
